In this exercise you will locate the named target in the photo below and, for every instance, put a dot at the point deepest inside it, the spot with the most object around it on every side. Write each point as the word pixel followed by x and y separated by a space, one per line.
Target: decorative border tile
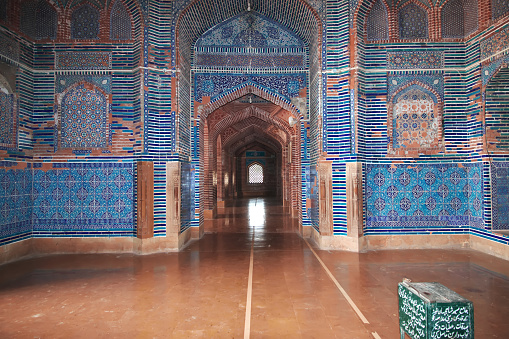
pixel 83 60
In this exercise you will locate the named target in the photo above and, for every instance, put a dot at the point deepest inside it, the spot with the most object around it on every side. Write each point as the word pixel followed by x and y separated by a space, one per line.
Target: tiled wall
pixel 350 81
pixel 423 197
pixel 15 203
pixel 500 195
pixel 84 199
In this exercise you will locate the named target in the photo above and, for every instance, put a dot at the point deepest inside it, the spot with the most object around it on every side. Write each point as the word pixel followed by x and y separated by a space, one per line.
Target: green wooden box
pixel 431 310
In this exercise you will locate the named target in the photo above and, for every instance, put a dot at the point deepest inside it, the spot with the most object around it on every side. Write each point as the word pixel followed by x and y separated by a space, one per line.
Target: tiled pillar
pixel 145 227
pixel 325 198
pixel 173 195
pixel 354 199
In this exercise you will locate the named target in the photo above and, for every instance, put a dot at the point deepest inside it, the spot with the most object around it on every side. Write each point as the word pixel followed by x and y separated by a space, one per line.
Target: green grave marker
pixel 432 311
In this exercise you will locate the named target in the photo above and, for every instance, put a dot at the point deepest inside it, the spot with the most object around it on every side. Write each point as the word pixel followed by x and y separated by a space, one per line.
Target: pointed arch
pixel 377 22
pixel 120 22
pixel 244 89
pixel 413 21
pixel 414 121
pixel 453 20
pixel 85 22
pixel 84 117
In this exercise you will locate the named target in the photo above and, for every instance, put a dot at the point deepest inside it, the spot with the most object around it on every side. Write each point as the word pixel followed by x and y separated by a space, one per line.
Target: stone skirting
pixel 408 242
pixel 47 246
pixel 36 247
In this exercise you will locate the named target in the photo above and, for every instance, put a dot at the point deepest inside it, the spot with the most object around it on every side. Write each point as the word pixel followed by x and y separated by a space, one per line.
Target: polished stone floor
pixel 203 291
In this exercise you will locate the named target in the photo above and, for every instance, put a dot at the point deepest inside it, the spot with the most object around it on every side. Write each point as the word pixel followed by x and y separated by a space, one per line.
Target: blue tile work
pixel 85 23
pixel 312 196
pixel 160 198
pixel 415 59
pixel 15 203
pixel 339 217
pixel 250 40
pixel 423 197
pixel 499 8
pixel 500 195
pixel 8 120
pixel 84 121
pixel 413 22
pixel 214 85
pixel 494 44
pixel 83 60
pixel 84 199
pixel 188 192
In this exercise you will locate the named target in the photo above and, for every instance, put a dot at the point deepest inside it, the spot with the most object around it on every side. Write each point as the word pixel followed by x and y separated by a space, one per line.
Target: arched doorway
pixel 248 50
pixel 249 129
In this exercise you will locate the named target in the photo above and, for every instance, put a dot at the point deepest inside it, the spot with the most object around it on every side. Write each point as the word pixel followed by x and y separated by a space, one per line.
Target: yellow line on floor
pixel 247 326
pixel 338 285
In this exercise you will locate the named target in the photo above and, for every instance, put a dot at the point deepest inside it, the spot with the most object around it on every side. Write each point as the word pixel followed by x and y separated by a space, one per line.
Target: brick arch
pixel 242 142
pixel 248 132
pixel 211 145
pixel 245 89
pixel 248 112
pixel 427 142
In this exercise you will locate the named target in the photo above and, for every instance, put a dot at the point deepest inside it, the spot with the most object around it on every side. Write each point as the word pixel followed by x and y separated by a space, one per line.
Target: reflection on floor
pixel 201 292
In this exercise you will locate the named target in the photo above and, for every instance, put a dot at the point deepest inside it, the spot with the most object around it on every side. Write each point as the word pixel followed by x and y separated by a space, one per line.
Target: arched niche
pixel 414 121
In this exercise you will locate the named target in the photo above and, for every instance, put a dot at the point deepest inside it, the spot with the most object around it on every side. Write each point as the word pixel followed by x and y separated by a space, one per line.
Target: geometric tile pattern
pixel 46 21
pixel 15 202
pixel 250 39
pixel 414 120
pixel 413 22
pixel 9 47
pixel 83 60
pixel 471 16
pixel 84 119
pixel 84 196
pixel 8 117
pixel 432 80
pixel 65 81
pixel 188 190
pixel 453 19
pixel 28 18
pixel 377 27
pixel 499 8
pixel 423 195
pixel 38 19
pixel 495 44
pixel 413 60
pixel 120 22
pixel 500 195
pixel 85 23
pixel 213 85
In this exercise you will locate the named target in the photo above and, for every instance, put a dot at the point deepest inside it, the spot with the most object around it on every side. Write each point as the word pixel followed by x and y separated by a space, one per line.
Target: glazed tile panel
pixel 500 195
pixel 84 197
pixel 423 196
pixel 15 203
